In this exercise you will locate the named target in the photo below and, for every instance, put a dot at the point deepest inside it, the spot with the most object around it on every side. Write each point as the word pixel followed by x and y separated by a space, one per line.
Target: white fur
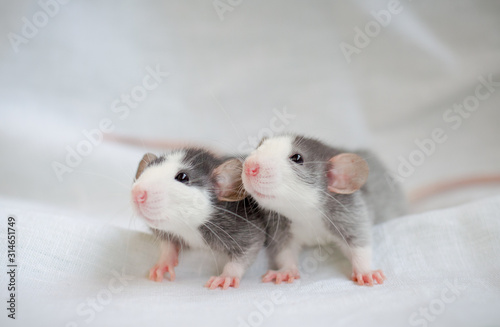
pixel 280 184
pixel 172 206
pixel 361 258
pixel 287 258
pixel 233 269
pixel 167 253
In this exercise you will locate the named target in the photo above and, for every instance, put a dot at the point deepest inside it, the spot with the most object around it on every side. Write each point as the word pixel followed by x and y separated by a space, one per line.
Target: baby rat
pixel 191 198
pixel 319 194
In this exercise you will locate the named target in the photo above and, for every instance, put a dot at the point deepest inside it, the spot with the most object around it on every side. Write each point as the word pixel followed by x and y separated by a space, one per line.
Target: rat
pixel 191 198
pixel 317 194
pixel 351 191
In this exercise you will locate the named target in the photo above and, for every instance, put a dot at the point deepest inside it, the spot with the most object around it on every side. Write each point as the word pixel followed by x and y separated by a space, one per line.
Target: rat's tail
pixel 149 143
pixel 451 185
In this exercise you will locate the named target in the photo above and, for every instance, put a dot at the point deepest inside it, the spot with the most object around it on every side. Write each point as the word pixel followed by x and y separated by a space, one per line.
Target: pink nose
pixel 139 195
pixel 252 168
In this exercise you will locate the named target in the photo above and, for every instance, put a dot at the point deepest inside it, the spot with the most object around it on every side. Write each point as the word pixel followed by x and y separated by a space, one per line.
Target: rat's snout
pixel 139 194
pixel 251 168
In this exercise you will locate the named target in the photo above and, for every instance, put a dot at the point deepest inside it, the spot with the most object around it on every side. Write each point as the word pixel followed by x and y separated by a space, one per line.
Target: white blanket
pixel 442 269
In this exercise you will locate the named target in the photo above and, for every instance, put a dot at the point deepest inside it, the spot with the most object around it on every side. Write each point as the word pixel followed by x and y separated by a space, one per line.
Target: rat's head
pixel 285 170
pixel 179 189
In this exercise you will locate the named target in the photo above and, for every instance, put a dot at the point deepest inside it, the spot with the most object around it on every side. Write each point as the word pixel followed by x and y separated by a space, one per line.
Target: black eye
pixel 297 158
pixel 182 177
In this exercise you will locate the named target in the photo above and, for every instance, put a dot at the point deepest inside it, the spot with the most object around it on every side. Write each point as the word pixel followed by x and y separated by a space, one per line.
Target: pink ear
pixel 229 186
pixel 348 172
pixel 148 157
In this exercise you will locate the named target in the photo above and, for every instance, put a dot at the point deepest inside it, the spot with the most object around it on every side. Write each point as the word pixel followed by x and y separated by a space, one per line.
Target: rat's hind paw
pixel 279 276
pixel 223 281
pixel 368 277
pixel 158 271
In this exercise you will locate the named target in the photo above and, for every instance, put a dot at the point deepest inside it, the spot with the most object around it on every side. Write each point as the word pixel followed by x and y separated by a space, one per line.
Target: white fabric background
pixel 66 262
pixel 225 79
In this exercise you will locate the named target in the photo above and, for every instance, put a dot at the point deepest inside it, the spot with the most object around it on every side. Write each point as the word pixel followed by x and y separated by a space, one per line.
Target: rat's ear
pixel 228 183
pixel 262 141
pixel 347 173
pixel 148 157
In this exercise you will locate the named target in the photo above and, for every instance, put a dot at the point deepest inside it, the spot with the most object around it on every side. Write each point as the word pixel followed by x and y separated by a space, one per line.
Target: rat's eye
pixel 182 177
pixel 297 158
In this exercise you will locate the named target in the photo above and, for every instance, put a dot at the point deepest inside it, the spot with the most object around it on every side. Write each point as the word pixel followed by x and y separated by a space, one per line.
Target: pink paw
pixel 281 276
pixel 223 281
pixel 158 271
pixel 369 277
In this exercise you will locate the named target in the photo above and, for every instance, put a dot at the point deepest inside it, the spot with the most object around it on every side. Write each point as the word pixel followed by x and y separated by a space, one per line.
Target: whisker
pixel 331 196
pixel 235 214
pixel 208 221
pixel 333 224
pixel 206 243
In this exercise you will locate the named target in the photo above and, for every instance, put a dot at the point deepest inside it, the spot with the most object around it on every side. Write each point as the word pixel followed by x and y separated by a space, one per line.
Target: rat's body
pixel 183 196
pixel 317 194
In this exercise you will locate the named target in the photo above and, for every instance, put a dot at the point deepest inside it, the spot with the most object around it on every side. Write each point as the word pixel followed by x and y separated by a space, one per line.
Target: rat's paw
pixel 158 271
pixel 368 277
pixel 288 275
pixel 223 281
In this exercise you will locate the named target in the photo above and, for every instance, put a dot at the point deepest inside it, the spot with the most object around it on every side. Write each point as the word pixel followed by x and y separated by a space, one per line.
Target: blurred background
pixel 397 77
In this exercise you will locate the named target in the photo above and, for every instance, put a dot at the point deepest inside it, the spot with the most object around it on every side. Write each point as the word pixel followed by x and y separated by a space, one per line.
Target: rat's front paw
pixel 368 277
pixel 222 281
pixel 287 275
pixel 158 271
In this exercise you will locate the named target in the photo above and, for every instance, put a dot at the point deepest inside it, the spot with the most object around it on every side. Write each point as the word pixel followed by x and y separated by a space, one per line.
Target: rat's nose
pixel 139 195
pixel 252 168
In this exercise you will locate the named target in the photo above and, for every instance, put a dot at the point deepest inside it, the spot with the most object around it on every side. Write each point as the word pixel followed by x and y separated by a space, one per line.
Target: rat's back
pixel 383 195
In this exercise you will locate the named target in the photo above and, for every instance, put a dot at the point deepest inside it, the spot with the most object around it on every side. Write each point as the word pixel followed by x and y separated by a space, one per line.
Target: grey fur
pixel 278 236
pixel 236 229
pixel 350 216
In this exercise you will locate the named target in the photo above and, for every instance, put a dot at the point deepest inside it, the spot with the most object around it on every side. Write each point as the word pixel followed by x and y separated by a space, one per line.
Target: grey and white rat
pixel 192 198
pixel 319 194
